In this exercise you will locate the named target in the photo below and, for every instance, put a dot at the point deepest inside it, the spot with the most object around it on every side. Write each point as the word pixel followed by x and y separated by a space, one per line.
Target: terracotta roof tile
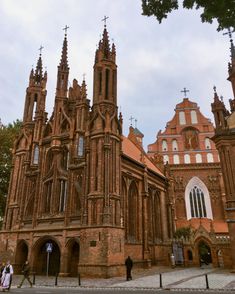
pixel 132 151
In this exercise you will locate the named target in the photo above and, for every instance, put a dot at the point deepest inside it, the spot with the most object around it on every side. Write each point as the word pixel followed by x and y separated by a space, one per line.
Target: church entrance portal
pixel 21 256
pixel 204 253
pixel 73 260
pixel 42 257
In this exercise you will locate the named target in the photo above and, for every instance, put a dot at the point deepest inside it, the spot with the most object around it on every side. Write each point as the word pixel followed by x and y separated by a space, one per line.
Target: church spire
pixel 36 76
pixel 231 65
pixel 38 71
pixel 105 71
pixel 63 69
pixel 64 54
pixel 84 89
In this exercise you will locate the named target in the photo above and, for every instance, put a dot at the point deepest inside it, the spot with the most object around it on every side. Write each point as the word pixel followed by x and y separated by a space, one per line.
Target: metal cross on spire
pixel 40 49
pixel 131 119
pixel 229 33
pixel 84 75
pixel 65 29
pixel 104 20
pixel 185 92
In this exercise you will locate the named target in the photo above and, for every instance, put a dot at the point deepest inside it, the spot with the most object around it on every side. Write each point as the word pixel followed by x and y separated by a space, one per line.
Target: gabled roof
pixel 131 150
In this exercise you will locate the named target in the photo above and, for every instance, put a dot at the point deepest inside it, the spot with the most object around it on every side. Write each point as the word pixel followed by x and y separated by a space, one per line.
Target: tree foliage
pixel 221 10
pixel 184 232
pixel 7 136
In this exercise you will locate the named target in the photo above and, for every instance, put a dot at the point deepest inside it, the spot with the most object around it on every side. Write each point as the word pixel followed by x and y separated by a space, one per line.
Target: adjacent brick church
pixel 78 185
pixel 197 189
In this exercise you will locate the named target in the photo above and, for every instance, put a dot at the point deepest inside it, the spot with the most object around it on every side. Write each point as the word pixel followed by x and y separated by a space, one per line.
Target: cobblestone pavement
pixel 178 278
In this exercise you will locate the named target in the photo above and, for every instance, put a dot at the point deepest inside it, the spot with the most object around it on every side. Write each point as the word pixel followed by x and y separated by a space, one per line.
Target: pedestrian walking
pixel 172 260
pixel 25 272
pixel 7 277
pixel 2 265
pixel 129 265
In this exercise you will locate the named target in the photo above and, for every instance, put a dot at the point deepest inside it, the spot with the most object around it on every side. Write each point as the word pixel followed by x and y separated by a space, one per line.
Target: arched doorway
pixel 204 253
pixel 73 260
pixel 21 255
pixel 42 258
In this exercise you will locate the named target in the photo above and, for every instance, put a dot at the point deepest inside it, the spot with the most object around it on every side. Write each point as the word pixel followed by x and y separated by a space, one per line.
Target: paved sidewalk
pixel 178 278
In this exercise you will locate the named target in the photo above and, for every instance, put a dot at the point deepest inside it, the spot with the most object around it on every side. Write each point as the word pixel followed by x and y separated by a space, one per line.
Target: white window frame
pixel 196 182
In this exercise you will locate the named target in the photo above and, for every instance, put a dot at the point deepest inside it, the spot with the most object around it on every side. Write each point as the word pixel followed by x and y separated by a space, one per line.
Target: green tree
pixel 7 136
pixel 221 10
pixel 184 232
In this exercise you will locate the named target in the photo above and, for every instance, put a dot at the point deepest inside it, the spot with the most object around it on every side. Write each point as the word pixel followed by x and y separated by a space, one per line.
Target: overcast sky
pixel 155 61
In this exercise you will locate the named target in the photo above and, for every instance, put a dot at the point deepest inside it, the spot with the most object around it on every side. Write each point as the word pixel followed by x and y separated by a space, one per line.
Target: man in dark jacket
pixel 25 271
pixel 129 265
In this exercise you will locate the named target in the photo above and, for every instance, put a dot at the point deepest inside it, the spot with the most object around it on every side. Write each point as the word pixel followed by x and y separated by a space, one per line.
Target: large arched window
pixel 182 118
pixel 197 199
pixel 174 145
pixel 193 117
pixel 132 211
pixel 164 145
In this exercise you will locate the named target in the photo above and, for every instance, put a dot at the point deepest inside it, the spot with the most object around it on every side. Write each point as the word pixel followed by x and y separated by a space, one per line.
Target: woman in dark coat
pixel 129 265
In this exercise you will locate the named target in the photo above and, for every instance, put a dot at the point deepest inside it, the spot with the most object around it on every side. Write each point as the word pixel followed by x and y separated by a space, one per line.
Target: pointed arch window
pixel 132 213
pixel 107 77
pixel 34 105
pixel 197 199
pixel 164 145
pixel 197 202
pixel 47 199
pixel 63 195
pixel 36 154
pixel 80 147
pixel 65 158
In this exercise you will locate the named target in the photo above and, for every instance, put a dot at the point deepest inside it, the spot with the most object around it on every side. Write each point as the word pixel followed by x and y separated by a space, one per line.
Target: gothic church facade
pixel 197 189
pixel 78 185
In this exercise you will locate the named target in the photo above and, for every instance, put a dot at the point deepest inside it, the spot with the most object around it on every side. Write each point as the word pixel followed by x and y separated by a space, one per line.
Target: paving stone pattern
pixel 178 278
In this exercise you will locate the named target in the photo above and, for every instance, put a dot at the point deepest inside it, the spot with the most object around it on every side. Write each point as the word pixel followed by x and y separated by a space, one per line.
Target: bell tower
pixel 103 157
pixel 105 72
pixel 36 93
pixel 225 143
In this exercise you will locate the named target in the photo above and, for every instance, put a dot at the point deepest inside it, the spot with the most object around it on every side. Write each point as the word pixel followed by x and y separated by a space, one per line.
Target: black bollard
pixel 207 284
pixel 34 276
pixel 56 279
pixel 160 280
pixel 79 280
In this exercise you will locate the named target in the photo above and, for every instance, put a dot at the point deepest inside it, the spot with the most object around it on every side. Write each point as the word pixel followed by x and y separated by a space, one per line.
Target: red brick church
pixel 93 196
pixel 79 185
pixel 197 190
